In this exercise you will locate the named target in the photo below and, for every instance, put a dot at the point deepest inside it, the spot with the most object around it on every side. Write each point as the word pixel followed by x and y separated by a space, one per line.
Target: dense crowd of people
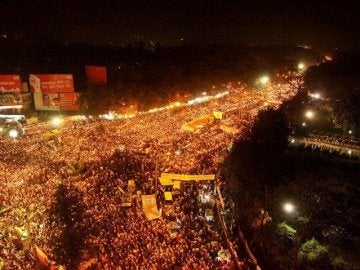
pixel 330 144
pixel 72 185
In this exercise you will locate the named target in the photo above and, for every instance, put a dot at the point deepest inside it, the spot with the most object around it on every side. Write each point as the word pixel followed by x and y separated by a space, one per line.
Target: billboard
pixel 51 83
pixel 69 101
pixel 56 101
pixel 47 101
pixel 10 83
pixel 96 74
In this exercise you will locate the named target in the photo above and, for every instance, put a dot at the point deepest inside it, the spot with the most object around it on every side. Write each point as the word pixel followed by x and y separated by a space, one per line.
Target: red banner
pixel 69 101
pixel 96 74
pixel 10 83
pixel 51 83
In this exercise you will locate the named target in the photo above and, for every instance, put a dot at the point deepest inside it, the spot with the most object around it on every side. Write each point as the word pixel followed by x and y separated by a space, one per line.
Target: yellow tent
pixel 177 184
pixel 168 196
pixel 149 206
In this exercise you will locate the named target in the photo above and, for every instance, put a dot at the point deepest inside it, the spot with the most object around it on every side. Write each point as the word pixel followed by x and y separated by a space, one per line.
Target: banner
pixel 51 83
pixel 96 75
pixel 47 101
pixel 69 101
pixel 56 101
pixel 10 83
pixel 149 206
pixel 165 181
pixel 188 177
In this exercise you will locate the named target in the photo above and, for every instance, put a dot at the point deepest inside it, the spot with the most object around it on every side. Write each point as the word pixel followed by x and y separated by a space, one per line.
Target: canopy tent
pixel 168 196
pixel 149 206
pixel 198 123
pixel 177 184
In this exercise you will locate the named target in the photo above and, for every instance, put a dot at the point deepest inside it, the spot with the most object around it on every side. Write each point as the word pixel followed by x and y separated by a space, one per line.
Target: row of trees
pixel 263 174
pixel 338 82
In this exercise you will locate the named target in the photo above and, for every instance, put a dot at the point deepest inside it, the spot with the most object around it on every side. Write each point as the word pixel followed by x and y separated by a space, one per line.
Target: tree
pixel 253 165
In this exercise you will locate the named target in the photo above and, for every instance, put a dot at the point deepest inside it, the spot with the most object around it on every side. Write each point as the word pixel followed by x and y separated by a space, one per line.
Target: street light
pixel 301 66
pixel 264 80
pixel 56 121
pixel 13 133
pixel 309 114
pixel 289 208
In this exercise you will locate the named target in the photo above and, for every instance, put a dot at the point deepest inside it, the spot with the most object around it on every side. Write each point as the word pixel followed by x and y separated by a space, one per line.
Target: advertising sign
pixel 10 83
pixel 96 74
pixel 56 101
pixel 47 101
pixel 51 83
pixel 69 101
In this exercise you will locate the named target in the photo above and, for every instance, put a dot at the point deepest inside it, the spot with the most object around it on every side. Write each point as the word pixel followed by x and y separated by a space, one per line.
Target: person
pixel 46 100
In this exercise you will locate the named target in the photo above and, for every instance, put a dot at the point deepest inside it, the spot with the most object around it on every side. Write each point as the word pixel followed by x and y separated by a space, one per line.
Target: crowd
pixel 330 144
pixel 92 160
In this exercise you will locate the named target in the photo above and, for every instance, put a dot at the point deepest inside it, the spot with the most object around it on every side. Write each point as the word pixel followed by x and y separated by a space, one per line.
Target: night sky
pixel 323 25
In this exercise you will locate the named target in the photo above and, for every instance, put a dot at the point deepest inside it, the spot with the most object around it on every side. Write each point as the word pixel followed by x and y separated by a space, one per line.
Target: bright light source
pixel 309 114
pixel 304 124
pixel 204 93
pixel 13 133
pixel 301 66
pixel 315 95
pixel 350 131
pixel 292 140
pixel 56 121
pixel 349 152
pixel 289 208
pixel 264 80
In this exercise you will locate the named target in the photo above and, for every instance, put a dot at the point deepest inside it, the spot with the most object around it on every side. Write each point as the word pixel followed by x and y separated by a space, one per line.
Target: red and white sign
pixel 56 101
pixel 51 83
pixel 10 83
pixel 96 74
pixel 47 101
pixel 69 101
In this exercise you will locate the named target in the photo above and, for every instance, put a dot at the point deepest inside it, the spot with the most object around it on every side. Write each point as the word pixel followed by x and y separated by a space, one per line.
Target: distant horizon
pixel 322 25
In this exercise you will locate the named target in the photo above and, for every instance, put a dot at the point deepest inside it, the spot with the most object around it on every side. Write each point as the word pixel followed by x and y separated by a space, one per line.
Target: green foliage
pixel 254 166
pixel 312 250
pixel 286 230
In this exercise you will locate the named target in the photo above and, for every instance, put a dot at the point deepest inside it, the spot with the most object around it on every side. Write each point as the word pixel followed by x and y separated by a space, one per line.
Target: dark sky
pixel 320 24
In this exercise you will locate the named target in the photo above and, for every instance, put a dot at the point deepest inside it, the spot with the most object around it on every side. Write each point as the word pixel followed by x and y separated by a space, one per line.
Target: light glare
pixel 13 133
pixel 56 121
pixel 289 208
pixel 309 114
